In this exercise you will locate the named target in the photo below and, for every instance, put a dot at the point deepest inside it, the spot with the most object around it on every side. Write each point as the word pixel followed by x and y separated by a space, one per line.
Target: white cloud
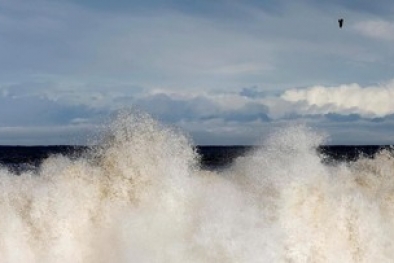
pixel 371 101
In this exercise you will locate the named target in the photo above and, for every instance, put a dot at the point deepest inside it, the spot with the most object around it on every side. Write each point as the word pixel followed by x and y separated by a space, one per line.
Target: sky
pixel 225 72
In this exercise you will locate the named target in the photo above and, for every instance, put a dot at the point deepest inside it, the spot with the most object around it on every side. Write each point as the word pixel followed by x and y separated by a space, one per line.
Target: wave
pixel 141 197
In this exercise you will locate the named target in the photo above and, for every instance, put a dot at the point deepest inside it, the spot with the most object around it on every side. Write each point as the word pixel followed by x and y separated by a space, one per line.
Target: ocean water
pixel 142 196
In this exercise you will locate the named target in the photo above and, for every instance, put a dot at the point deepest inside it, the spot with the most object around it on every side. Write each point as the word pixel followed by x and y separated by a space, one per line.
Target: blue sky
pixel 225 72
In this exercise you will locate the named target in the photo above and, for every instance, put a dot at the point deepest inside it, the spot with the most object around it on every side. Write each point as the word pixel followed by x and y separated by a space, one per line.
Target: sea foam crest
pixel 140 197
pixel 110 206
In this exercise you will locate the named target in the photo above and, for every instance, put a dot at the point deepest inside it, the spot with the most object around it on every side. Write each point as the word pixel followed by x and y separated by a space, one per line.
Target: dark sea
pixel 144 193
pixel 24 158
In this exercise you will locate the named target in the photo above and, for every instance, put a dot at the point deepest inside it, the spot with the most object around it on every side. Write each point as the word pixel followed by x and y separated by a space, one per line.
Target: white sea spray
pixel 140 196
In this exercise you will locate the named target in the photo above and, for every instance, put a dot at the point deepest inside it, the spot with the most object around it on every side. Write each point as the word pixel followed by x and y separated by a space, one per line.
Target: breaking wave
pixel 141 197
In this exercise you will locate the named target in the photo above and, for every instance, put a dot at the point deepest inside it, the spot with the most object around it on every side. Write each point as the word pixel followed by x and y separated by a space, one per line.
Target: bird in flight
pixel 340 22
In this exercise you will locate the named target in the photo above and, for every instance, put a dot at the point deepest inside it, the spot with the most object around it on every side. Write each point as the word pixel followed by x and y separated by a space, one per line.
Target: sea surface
pixel 20 159
pixel 145 193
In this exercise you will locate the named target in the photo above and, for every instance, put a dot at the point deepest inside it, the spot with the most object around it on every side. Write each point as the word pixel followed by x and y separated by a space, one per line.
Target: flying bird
pixel 340 22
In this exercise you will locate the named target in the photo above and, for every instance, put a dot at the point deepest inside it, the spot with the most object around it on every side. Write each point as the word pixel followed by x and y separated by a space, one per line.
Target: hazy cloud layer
pixel 378 29
pixel 241 117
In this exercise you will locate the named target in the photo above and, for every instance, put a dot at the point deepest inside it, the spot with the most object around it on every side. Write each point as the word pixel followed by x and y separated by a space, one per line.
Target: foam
pixel 141 197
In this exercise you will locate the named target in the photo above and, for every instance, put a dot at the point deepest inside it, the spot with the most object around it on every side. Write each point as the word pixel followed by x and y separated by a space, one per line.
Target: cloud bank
pixel 369 102
pixel 212 117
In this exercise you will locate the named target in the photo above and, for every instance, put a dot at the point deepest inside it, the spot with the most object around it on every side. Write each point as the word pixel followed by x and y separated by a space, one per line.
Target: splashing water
pixel 141 197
